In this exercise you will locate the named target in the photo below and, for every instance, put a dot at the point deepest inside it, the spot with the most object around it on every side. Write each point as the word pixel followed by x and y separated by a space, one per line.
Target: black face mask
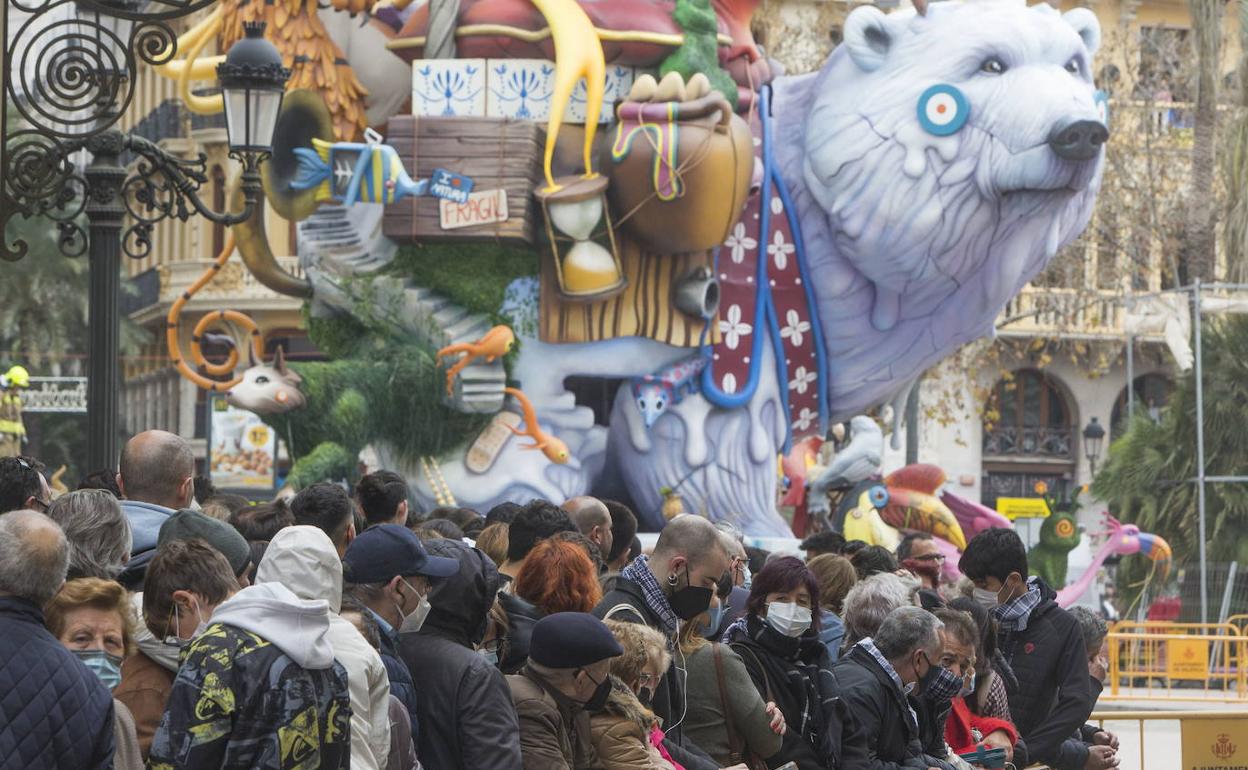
pixel 690 601
pixel 646 696
pixel 598 701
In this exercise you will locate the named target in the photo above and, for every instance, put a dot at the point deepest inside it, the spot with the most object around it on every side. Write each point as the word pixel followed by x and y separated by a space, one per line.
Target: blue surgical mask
pixel 715 616
pixel 105 666
pixel 749 578
pixel 491 656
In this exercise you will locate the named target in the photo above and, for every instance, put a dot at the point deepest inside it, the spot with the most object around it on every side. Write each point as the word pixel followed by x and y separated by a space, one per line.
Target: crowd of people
pixel 141 626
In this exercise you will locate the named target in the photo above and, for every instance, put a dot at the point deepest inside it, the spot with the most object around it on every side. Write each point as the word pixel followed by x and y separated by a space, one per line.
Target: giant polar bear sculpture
pixel 937 163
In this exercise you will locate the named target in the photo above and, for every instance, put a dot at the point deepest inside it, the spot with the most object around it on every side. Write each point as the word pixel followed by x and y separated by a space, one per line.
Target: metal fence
pixel 1159 660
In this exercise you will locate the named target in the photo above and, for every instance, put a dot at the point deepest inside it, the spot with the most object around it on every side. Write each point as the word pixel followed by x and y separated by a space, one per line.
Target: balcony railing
pixel 1012 441
pixel 1045 311
pixel 233 282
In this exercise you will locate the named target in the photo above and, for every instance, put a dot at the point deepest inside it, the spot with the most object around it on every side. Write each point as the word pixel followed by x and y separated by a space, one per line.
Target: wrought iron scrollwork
pixel 69 76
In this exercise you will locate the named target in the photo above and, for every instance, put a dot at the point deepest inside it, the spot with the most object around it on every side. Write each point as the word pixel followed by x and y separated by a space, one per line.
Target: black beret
pixel 571 640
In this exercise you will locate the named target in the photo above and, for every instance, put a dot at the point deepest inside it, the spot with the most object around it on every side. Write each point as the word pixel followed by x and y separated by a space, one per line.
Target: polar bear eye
pixel 1073 67
pixel 262 380
pixel 993 65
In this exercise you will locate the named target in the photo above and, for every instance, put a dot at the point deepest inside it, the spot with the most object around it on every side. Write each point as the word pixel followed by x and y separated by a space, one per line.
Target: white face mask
pixel 416 618
pixel 789 618
pixel 985 598
pixel 749 578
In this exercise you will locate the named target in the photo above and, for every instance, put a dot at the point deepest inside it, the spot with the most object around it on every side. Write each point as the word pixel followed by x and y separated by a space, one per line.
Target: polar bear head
pixel 958 149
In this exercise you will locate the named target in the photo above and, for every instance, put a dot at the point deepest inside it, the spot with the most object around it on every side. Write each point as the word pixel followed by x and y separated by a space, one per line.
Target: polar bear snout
pixel 1078 140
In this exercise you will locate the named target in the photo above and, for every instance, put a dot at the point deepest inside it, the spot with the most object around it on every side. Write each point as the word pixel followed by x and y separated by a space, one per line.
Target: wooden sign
pixel 482 208
pixel 496 153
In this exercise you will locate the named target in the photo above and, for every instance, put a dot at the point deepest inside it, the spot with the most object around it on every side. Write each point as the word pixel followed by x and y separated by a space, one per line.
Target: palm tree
pixel 1200 230
pixel 1148 477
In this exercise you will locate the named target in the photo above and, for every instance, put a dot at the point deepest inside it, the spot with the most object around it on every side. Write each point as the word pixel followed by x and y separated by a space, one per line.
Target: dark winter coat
pixel 1073 753
pixel 881 711
pixel 1054 696
pixel 629 605
pixel 521 617
pixel 465 713
pixel 54 713
pixel 401 684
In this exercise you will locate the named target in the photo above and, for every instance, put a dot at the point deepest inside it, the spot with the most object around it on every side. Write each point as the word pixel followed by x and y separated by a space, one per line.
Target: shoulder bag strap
pixel 736 746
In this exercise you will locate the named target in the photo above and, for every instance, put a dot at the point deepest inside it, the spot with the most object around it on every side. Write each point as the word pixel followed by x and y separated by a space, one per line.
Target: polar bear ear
pixel 1086 25
pixel 869 35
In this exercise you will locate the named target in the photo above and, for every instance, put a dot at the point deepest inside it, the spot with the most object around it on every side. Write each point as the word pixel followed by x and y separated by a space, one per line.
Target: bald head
pixel 591 517
pixel 158 467
pixel 692 537
pixel 34 556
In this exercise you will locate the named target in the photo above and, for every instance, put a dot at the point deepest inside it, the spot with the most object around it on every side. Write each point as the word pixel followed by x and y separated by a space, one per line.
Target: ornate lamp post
pixel 1093 436
pixel 70 76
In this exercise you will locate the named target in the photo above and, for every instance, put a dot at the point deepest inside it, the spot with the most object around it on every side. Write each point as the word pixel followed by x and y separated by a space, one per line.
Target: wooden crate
pixel 495 153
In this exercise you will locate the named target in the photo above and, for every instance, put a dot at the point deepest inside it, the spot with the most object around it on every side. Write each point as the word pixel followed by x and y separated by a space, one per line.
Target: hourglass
pixel 586 269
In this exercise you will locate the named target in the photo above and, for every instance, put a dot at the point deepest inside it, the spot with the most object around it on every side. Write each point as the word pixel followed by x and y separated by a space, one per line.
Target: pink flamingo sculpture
pixel 1123 540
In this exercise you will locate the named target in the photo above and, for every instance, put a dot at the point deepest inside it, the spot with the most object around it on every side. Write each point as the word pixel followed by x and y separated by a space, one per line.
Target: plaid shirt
pixel 639 572
pixel 1014 614
pixel 868 645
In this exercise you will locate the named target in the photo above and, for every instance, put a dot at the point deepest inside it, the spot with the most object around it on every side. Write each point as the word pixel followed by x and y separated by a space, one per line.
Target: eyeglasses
pixel 930 557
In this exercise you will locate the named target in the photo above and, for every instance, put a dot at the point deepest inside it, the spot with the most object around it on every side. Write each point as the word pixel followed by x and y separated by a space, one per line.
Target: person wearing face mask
pixel 179 597
pixel 91 617
pixel 742 579
pixel 836 576
pixel 918 553
pixel 305 561
pixel 258 687
pixel 626 734
pixel 1092 747
pixel 942 702
pixel 884 680
pixel 566 680
pixel 974 718
pixel 387 570
pixel 671 586
pixel 778 641
pixel 1039 640
pixel 726 718
pixel 466 718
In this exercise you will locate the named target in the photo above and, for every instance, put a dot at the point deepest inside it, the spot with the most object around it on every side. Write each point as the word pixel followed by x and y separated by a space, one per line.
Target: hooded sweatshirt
pixel 304 560
pixel 259 689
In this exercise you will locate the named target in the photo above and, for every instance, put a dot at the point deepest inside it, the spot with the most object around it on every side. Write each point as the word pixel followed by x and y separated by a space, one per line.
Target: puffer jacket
pixel 304 560
pixel 465 714
pixel 620 734
pixel 554 732
pixel 521 617
pixel 54 713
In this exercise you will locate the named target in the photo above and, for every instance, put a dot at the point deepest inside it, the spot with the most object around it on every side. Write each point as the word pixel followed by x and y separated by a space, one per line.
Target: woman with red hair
pixel 558 576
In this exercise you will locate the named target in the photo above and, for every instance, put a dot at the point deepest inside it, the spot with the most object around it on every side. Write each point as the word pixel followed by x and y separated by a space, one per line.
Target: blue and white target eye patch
pixel 943 110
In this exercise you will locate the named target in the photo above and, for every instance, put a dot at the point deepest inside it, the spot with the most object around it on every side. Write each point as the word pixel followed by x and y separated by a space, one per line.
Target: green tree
pixel 1148 478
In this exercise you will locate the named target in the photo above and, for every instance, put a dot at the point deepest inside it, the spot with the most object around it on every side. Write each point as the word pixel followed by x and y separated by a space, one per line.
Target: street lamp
pixel 1093 436
pixel 70 98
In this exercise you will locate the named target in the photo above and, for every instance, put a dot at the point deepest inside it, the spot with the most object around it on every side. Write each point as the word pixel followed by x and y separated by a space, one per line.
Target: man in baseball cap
pixel 568 677
pixel 387 569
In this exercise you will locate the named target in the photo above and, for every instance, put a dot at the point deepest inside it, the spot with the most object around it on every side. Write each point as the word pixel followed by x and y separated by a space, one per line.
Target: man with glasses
pixel 918 553
pixel 22 485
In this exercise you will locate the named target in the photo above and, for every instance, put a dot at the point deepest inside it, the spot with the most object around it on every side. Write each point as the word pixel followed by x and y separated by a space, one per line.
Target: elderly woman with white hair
pixel 98 533
pixel 873 599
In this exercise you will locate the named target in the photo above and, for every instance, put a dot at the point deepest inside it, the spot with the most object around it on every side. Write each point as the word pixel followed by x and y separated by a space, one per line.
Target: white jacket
pixel 305 561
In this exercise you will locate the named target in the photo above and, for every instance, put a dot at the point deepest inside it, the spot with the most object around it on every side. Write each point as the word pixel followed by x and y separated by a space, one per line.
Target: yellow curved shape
pixel 578 53
pixel 538 35
pixel 863 522
pixel 193 68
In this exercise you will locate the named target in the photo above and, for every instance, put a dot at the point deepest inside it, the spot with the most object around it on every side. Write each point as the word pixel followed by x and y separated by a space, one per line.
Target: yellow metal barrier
pixel 1177 662
pixel 1170 740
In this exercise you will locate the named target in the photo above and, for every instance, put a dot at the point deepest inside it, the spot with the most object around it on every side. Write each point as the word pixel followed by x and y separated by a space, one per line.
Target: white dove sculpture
pixel 860 460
